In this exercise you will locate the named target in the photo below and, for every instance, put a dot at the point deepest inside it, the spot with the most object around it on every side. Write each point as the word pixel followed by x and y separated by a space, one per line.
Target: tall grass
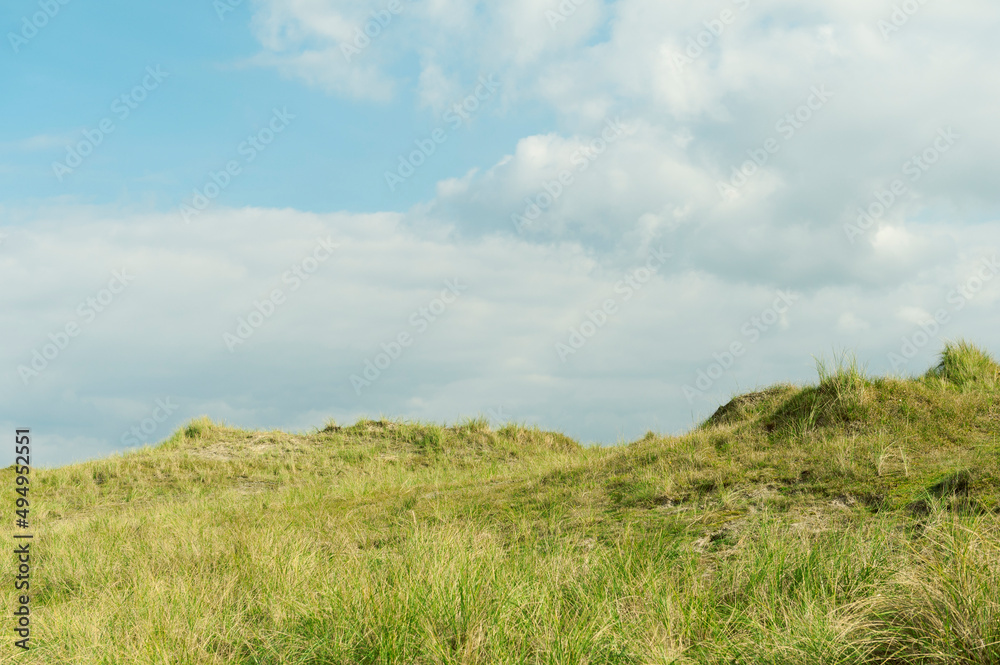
pixel 842 374
pixel 785 531
pixel 965 366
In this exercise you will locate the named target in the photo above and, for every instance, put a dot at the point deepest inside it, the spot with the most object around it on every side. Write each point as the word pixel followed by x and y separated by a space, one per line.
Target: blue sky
pixel 515 273
pixel 334 158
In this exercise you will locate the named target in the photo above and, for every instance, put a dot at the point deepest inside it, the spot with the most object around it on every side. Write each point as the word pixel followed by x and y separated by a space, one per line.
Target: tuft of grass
pixel 428 439
pixel 843 399
pixel 480 425
pixel 966 367
pixel 842 376
pixel 198 428
pixel 942 607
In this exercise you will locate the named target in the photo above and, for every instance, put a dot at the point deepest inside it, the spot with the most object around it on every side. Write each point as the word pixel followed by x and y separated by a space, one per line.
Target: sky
pixel 601 218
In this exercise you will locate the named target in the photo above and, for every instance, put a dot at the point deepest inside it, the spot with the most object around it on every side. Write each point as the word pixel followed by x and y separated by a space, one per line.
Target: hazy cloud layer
pixel 493 346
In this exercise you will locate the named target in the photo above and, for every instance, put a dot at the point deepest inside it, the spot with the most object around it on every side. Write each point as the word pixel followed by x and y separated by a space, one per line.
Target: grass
pixel 853 521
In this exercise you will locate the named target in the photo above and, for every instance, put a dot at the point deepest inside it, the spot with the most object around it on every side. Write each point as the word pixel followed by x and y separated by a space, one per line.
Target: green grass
pixel 852 521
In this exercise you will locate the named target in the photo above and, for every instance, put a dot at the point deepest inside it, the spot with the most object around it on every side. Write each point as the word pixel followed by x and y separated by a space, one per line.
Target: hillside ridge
pixel 854 520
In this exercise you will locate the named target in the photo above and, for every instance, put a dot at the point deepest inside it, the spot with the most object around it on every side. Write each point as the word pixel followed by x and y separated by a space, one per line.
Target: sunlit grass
pixel 855 521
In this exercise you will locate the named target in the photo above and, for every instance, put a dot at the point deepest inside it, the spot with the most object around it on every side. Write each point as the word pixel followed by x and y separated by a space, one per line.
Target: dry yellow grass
pixel 855 521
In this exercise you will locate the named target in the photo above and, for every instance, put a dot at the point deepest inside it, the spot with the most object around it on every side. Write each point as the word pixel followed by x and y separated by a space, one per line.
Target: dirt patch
pixel 218 452
pixel 247 486
pixel 844 502
pixel 255 445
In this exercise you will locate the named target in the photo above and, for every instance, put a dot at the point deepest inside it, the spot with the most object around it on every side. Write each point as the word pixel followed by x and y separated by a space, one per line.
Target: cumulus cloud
pixel 494 346
pixel 703 87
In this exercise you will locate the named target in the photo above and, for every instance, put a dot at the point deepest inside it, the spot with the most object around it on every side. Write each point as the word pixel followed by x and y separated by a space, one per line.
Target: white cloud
pixel 914 315
pixel 690 127
pixel 849 323
pixel 41 142
pixel 494 347
pixel 437 89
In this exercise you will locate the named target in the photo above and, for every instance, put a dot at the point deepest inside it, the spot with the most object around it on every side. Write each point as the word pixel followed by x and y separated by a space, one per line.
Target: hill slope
pixel 852 521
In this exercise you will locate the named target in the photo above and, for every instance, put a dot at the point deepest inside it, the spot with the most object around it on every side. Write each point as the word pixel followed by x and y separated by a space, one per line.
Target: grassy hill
pixel 853 521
